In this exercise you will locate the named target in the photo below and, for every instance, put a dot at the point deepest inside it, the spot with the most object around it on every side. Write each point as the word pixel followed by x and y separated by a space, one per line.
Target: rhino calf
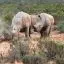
pixel 21 21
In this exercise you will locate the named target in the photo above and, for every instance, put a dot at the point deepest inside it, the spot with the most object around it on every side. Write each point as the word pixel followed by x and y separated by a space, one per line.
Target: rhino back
pixel 49 20
pixel 21 18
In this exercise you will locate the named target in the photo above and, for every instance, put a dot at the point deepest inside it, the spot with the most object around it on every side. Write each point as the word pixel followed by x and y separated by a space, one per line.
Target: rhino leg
pixel 43 31
pixel 27 32
pixel 31 29
pixel 48 30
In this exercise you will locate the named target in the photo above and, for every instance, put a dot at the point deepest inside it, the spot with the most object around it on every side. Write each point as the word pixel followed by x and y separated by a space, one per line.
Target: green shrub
pixel 53 50
pixel 5 30
pixel 7 17
pixel 48 50
pixel 60 55
pixel 34 60
pixel 48 47
pixel 57 10
pixel 61 27
pixel 21 45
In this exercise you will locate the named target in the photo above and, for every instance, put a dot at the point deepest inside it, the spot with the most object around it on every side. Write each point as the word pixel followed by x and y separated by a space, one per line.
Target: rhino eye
pixel 14 28
pixel 38 15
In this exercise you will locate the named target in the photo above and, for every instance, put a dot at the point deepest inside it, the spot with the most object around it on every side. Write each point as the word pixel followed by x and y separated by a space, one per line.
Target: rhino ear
pixel 39 16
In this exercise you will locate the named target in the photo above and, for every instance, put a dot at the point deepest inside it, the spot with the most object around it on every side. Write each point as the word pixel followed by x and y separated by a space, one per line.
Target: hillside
pixel 31 1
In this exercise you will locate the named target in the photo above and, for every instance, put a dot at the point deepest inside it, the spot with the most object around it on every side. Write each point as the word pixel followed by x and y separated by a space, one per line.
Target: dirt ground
pixel 55 35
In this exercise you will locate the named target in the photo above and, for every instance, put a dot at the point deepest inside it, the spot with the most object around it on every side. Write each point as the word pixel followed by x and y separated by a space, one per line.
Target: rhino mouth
pixel 23 29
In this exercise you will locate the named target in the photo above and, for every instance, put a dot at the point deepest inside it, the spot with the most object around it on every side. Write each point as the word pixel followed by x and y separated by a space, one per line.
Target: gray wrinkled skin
pixel 21 21
pixel 44 24
pixel 41 23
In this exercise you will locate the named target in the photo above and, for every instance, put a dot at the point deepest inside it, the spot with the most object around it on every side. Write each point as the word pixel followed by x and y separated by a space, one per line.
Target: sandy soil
pixel 55 35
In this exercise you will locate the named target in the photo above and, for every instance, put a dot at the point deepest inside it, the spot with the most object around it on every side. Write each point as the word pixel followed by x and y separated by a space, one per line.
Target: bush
pixel 48 50
pixel 8 11
pixel 34 60
pixel 5 31
pixel 57 10
pixel 8 17
pixel 61 26
pixel 22 45
pixel 53 50
pixel 48 47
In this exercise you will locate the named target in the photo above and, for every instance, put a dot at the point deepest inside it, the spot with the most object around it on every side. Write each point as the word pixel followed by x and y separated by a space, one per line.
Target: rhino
pixel 34 20
pixel 21 22
pixel 42 23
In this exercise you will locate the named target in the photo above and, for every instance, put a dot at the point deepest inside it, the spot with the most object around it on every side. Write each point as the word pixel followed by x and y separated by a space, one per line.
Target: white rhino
pixel 34 20
pixel 42 23
pixel 21 21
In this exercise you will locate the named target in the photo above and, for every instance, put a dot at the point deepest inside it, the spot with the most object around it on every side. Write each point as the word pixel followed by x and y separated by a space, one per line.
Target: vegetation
pixel 8 10
pixel 48 49
pixel 31 2
pixel 61 26
pixel 34 60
